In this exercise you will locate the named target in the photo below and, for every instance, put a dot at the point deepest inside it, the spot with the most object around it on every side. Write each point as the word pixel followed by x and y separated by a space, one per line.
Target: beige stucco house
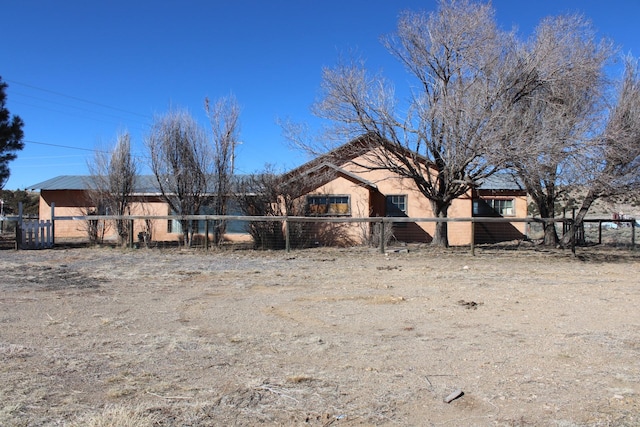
pixel 335 185
pixel 70 196
pixel 342 184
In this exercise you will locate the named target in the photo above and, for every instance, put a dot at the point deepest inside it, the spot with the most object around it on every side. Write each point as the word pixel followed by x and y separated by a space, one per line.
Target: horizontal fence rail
pixel 382 231
pixel 374 219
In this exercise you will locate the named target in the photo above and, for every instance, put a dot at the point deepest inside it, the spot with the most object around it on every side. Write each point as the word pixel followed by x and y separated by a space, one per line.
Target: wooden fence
pixel 41 234
pixel 384 224
pixel 34 234
pixel 31 233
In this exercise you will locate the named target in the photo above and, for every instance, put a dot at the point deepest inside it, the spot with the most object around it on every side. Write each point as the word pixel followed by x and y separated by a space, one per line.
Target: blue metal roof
pixel 144 183
pixel 147 184
pixel 500 181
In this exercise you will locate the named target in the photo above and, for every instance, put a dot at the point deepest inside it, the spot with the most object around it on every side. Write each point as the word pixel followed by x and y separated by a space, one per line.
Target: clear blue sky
pixel 81 71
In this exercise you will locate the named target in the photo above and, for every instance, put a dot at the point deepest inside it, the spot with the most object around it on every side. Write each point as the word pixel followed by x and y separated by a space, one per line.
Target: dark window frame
pixel 502 206
pixel 393 205
pixel 328 205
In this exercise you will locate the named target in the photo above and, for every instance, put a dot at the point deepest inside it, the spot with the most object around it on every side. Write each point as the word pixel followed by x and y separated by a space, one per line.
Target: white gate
pixel 34 234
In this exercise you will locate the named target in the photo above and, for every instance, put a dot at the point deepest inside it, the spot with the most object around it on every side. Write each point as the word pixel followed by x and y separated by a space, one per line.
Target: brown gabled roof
pixel 316 175
pixel 352 149
pixel 330 162
pixel 337 156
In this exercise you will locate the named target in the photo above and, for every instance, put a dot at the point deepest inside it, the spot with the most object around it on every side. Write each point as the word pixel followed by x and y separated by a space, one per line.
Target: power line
pixel 92 150
pixel 78 99
pixel 73 114
pixel 86 110
pixel 67 146
pixel 66 156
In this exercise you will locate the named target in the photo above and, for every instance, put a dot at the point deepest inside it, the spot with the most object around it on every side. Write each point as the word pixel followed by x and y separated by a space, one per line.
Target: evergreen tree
pixel 11 135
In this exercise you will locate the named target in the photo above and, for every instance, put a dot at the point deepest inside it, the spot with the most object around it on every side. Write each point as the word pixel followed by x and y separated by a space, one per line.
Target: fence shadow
pixel 495 232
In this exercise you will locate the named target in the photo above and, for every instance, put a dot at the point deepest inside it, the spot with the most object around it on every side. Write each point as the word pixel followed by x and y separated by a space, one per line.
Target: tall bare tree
pixel 181 161
pixel 269 193
pixel 224 117
pixel 613 165
pixel 461 63
pixel 113 177
pixel 554 121
pixel 263 194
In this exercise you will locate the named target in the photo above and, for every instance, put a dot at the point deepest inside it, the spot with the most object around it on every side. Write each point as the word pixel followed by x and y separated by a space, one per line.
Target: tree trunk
pixel 550 234
pixel 546 207
pixel 186 232
pixel 440 236
pixel 122 230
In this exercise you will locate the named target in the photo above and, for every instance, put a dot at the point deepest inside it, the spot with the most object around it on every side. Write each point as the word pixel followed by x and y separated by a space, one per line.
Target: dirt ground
pixel 111 337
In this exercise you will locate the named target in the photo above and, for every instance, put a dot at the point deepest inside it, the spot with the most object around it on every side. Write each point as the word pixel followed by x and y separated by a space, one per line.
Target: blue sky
pixel 80 72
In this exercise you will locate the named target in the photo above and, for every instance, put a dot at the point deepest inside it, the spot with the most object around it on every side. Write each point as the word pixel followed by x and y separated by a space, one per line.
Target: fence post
pixel 36 234
pixel 206 234
pixel 600 232
pixel 574 229
pixel 633 235
pixel 18 236
pixel 473 237
pixel 130 224
pixel 48 234
pixel 53 224
pixel 287 242
pixel 19 228
pixel 382 237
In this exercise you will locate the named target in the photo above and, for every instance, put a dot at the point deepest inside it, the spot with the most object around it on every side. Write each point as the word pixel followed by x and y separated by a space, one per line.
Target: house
pixel 70 194
pixel 337 185
pixel 342 183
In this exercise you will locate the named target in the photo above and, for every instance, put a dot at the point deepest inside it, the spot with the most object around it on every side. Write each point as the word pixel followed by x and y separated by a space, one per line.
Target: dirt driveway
pixel 108 337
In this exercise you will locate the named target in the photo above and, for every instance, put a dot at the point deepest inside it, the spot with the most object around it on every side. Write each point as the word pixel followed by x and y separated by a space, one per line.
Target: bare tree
pixel 224 116
pixel 613 168
pixel 462 65
pixel 113 177
pixel 181 161
pixel 554 120
pixel 268 194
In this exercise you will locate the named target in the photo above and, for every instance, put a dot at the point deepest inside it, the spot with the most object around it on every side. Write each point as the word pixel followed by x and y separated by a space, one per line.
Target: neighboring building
pixel 334 185
pixel 70 193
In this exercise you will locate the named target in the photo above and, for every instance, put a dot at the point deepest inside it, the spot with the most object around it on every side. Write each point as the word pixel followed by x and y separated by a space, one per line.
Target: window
pixel 328 205
pixel 173 225
pixel 489 207
pixel 396 205
pixel 231 226
pixel 502 207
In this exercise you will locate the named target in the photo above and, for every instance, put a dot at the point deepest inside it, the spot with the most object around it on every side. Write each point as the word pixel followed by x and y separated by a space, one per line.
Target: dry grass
pixel 116 416
pixel 103 337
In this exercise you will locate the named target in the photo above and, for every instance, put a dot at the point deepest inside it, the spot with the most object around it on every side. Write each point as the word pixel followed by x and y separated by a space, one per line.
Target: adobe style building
pixel 342 183
pixel 338 185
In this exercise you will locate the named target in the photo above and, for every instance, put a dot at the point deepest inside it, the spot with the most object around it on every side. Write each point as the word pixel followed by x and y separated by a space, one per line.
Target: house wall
pixel 418 206
pixel 367 202
pixel 496 232
pixel 156 207
pixel 360 204
pixel 70 203
pixel 67 203
pixel 460 232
